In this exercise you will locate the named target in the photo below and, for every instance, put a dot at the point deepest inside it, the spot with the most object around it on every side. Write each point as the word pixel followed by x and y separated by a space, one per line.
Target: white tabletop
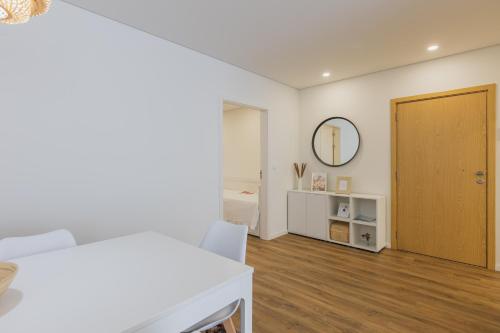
pixel 111 286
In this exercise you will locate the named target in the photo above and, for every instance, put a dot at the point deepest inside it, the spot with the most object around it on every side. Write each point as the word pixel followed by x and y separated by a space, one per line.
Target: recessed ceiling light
pixel 326 74
pixel 433 47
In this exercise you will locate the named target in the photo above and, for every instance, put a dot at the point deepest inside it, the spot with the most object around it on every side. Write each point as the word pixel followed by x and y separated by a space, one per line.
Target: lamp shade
pixel 39 7
pixel 20 11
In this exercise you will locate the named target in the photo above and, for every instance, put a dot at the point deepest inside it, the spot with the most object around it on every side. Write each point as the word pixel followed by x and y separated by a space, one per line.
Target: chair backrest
pixel 227 240
pixel 17 247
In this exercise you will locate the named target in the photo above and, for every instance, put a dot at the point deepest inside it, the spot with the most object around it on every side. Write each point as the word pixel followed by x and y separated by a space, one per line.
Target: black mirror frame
pixel 316 131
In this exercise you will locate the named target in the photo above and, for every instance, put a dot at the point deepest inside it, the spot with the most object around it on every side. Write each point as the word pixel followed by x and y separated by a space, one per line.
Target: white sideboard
pixel 312 213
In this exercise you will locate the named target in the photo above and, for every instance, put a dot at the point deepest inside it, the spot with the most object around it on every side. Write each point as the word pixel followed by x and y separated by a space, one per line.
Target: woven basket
pixel 339 231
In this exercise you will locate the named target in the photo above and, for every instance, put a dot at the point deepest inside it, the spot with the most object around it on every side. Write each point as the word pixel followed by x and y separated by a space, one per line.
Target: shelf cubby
pixel 339 232
pixel 334 202
pixel 363 207
pixel 357 239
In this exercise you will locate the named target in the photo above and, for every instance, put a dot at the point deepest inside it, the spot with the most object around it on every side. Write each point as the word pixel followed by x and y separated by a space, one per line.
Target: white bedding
pixel 240 208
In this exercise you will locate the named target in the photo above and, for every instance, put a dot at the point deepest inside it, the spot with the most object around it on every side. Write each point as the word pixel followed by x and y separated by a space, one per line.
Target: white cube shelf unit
pixel 312 213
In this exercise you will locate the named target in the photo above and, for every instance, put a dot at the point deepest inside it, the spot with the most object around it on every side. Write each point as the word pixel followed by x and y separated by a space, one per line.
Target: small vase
pixel 299 184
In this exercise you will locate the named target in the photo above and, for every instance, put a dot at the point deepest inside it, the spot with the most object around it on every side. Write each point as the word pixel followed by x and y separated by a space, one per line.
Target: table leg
pixel 246 309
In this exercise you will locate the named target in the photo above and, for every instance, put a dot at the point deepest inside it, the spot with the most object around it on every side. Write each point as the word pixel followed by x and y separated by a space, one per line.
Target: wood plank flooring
pixel 305 285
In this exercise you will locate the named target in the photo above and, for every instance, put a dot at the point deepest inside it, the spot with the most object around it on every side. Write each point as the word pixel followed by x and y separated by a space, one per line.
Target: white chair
pixel 17 247
pixel 230 241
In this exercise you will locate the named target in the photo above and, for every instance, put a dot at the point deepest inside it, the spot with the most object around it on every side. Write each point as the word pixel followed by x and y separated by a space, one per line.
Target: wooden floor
pixel 304 285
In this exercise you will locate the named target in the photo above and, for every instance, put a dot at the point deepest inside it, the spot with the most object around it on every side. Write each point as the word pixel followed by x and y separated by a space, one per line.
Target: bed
pixel 241 207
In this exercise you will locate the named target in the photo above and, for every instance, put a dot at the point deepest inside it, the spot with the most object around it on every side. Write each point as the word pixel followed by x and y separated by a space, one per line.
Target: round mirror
pixel 335 141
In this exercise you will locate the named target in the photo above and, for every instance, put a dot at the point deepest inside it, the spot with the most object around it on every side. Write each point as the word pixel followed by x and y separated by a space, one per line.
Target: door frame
pixel 490 90
pixel 264 151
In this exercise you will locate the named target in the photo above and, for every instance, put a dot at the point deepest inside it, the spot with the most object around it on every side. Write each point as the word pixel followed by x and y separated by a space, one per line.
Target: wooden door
pixel 325 140
pixel 441 176
pixel 336 145
pixel 327 143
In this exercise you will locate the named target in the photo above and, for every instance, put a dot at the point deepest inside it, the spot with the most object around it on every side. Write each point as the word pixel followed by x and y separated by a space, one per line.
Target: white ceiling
pixel 295 41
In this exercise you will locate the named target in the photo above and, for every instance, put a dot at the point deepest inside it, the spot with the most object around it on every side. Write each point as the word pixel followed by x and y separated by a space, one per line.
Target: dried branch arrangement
pixel 299 171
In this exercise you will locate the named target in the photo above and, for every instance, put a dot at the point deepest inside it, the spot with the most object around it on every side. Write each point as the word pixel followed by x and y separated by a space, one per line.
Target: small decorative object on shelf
pixel 299 172
pixel 365 218
pixel 318 183
pixel 367 236
pixel 343 185
pixel 343 210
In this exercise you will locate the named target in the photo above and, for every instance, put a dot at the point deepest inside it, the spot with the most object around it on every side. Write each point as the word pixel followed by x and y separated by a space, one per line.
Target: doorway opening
pixel 244 171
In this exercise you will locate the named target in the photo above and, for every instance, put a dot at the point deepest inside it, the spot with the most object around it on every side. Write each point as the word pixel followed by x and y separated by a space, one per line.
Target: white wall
pixel 242 148
pixel 97 122
pixel 365 101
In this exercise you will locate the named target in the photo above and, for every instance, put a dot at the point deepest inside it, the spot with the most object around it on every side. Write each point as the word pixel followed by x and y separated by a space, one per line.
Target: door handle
pixel 480 175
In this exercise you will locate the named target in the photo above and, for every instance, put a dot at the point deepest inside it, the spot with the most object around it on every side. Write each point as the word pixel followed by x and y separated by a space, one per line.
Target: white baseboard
pixel 275 235
pixel 388 245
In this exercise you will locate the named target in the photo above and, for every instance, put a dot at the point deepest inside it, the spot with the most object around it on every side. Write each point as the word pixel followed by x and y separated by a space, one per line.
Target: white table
pixel 144 283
